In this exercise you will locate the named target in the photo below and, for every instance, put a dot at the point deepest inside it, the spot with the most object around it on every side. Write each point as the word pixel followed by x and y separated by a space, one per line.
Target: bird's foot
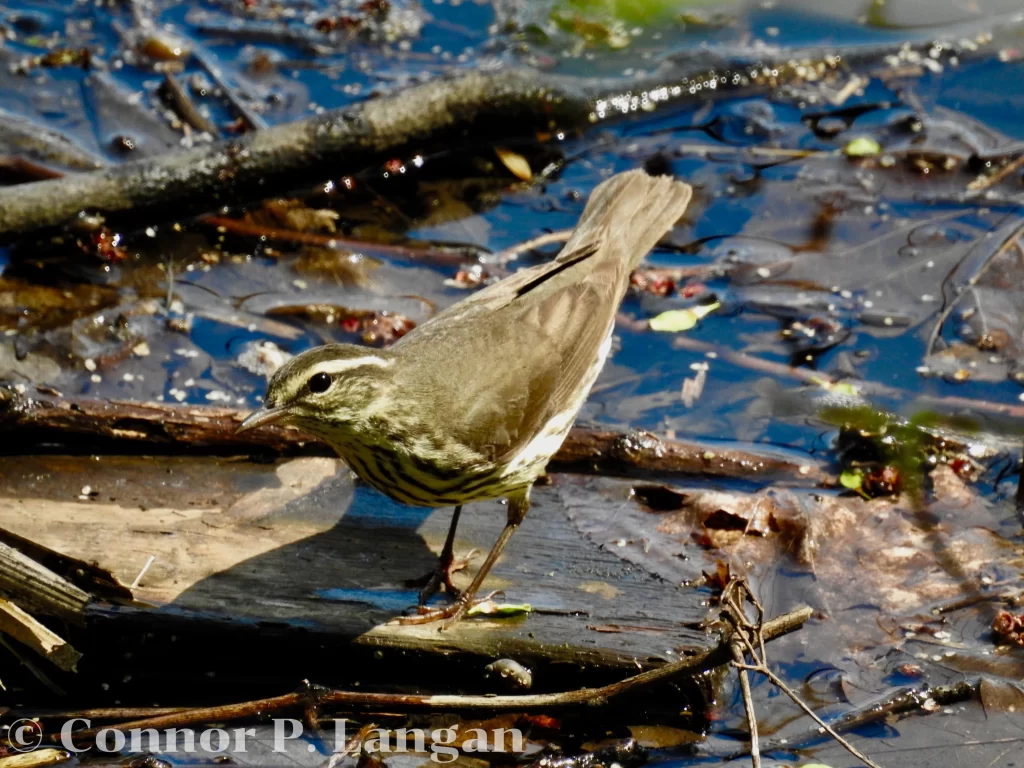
pixel 441 576
pixel 451 614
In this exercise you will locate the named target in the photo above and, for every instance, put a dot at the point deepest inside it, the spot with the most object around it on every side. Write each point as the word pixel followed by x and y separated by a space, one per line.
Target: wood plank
pixel 297 543
pixel 28 631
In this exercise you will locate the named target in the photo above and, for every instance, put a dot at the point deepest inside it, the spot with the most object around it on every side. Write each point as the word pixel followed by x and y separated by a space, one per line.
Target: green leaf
pixel 676 320
pixel 843 388
pixel 852 479
pixel 862 146
pixel 491 608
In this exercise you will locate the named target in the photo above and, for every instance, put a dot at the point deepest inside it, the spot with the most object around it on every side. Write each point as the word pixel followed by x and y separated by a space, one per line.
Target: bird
pixel 471 405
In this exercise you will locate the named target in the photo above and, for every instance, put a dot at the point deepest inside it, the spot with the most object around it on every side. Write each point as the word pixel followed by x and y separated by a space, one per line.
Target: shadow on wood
pixel 260 575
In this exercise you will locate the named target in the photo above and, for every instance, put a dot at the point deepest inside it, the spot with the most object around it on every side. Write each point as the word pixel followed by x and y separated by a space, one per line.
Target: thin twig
pixel 354 744
pixel 748 702
pixel 1004 246
pixel 185 108
pixel 442 255
pixel 984 182
pixel 732 598
pixel 691 665
pixel 901 702
pixel 209 63
pixel 822 379
pixel 512 253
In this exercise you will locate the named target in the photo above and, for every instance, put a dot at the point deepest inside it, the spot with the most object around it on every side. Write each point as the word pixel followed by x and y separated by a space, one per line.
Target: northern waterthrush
pixel 472 404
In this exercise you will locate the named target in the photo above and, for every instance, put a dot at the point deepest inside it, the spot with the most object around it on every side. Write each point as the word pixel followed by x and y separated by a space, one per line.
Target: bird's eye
pixel 319 382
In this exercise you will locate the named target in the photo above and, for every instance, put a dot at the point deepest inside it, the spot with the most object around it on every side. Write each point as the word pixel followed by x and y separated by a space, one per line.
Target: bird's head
pixel 325 391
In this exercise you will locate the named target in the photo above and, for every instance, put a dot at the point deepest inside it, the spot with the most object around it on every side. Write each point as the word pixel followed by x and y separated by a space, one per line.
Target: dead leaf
pixel 515 162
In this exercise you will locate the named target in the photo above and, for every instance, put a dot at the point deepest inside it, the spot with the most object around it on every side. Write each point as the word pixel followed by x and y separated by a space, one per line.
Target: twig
pixel 987 406
pixel 821 379
pixel 209 63
pixel 184 107
pixel 354 745
pixel 903 701
pixel 752 362
pixel 512 253
pixel 138 579
pixel 696 664
pixel 1004 246
pixel 732 597
pixel 26 169
pixel 748 703
pixel 105 713
pixel 984 182
pixel 431 254
pixel 782 153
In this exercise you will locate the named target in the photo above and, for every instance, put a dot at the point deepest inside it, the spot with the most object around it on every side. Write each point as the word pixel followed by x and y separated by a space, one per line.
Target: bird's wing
pixel 503 362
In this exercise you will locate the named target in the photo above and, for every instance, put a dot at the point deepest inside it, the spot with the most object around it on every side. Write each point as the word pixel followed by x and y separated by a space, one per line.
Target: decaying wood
pixel 86 576
pixel 39 588
pixel 28 631
pixel 118 426
pixel 392 702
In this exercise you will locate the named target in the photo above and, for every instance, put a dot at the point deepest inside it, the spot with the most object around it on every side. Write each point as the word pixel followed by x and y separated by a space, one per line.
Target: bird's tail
pixel 632 210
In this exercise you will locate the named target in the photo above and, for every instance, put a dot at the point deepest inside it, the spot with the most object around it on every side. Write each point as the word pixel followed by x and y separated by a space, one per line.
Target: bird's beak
pixel 262 416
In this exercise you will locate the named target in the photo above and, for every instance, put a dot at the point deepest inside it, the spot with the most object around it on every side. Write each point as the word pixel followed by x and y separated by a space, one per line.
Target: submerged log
pixel 496 104
pixel 36 421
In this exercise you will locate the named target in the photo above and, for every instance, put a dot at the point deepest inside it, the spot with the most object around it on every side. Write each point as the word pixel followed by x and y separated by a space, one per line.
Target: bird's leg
pixel 517 508
pixel 442 573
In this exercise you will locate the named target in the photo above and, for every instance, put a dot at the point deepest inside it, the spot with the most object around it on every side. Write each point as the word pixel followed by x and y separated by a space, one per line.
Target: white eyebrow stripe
pixel 339 366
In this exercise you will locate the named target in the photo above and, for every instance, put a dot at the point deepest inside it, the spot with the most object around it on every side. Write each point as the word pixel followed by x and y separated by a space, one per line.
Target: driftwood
pixel 117 426
pixel 504 104
pixel 88 577
pixel 28 631
pixel 39 588
pixel 259 163
pixel 291 559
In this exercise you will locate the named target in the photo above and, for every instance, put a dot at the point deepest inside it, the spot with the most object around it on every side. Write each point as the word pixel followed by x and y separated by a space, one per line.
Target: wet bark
pixel 47 423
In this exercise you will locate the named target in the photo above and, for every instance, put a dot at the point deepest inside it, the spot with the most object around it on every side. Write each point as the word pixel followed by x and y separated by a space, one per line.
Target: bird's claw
pixel 451 614
pixel 432 582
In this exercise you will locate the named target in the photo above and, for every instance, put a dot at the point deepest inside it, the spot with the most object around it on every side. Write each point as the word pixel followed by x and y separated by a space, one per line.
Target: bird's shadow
pixel 345 557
